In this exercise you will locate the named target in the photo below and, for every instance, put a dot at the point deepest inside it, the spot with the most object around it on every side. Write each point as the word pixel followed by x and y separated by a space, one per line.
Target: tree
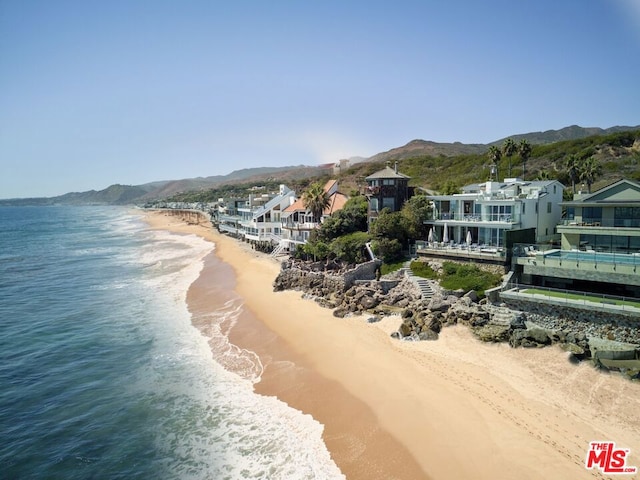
pixel 543 175
pixel 572 166
pixel 590 170
pixel 316 200
pixel 524 149
pixel 352 217
pixel 416 210
pixel 390 225
pixel 390 250
pixel 351 248
pixel 509 148
pixel 450 188
pixel 317 249
pixel 494 154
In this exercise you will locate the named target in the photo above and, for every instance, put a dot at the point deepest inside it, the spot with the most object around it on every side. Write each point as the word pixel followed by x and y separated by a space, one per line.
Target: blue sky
pixel 100 92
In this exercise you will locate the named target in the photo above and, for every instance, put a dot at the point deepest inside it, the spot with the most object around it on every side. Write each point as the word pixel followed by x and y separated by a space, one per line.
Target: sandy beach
pixel 455 408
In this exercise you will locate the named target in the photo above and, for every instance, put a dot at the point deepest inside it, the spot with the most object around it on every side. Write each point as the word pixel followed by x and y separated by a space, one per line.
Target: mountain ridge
pixel 119 194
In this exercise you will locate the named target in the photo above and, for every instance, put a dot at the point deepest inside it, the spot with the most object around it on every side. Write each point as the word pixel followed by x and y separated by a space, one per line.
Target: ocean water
pixel 103 375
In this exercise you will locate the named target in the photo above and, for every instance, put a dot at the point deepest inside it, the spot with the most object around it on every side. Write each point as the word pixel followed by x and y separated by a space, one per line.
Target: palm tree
pixel 572 164
pixel 509 149
pixel 494 154
pixel 543 175
pixel 591 169
pixel 524 149
pixel 316 200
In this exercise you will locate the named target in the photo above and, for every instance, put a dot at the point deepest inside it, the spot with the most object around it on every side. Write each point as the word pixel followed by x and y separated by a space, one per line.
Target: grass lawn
pixel 575 296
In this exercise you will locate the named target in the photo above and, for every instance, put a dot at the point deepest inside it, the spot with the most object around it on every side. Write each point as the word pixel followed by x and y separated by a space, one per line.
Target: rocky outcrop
pixel 350 292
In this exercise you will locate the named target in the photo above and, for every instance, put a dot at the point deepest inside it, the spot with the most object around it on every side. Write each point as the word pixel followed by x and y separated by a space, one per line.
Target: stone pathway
pixel 422 283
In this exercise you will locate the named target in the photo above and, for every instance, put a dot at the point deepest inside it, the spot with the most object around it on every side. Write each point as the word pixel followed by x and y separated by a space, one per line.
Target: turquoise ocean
pixel 103 375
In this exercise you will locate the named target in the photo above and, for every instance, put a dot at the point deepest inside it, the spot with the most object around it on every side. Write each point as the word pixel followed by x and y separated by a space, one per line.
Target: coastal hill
pixel 430 164
pixel 135 194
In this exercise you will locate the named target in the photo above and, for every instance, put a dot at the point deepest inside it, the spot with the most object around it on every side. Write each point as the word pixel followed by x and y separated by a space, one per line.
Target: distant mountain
pixel 573 132
pixel 424 147
pixel 417 148
pixel 132 194
pixel 167 189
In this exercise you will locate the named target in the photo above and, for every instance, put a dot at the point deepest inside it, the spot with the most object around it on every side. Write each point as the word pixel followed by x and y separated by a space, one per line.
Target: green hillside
pixel 617 153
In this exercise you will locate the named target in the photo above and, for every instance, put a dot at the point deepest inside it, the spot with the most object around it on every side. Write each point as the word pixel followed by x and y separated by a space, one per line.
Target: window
pixel 549 207
pixel 374 204
pixel 389 202
pixel 626 217
pixel 571 213
pixel 592 214
pixel 388 181
pixel 500 213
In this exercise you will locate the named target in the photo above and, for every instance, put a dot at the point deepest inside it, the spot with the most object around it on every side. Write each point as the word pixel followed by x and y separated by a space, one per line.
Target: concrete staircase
pixel 500 315
pixel 282 245
pixel 422 283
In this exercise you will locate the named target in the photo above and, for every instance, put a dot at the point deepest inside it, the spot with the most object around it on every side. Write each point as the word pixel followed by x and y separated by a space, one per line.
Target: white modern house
pixel 226 215
pixel 494 215
pixel 262 223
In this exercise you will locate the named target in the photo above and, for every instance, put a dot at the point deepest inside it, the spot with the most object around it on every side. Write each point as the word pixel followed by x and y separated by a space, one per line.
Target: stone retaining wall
pixel 593 323
pixel 306 277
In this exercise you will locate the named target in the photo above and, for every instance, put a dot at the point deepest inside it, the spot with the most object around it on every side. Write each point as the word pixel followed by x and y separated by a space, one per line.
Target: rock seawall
pixel 527 325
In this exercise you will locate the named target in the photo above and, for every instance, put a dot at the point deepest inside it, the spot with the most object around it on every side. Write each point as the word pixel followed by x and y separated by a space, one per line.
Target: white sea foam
pixel 215 425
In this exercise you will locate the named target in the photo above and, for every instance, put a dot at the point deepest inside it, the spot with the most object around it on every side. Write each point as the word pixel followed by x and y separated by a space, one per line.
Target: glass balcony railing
pixel 485 217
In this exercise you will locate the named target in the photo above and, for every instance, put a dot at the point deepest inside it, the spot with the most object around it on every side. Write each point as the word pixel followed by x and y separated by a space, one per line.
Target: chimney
pixel 396 166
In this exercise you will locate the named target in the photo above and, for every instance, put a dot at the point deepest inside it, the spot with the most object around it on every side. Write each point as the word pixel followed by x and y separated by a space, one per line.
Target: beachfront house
pixel 600 245
pixel 260 221
pixel 226 216
pixel 386 188
pixel 297 221
pixel 489 217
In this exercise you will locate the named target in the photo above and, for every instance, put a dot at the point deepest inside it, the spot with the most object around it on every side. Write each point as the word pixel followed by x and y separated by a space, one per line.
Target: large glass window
pixel 626 217
pixel 388 181
pixel 374 204
pixel 592 214
pixel 500 213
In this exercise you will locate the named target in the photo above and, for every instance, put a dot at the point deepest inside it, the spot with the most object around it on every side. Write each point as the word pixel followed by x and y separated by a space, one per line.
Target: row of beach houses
pixel 592 241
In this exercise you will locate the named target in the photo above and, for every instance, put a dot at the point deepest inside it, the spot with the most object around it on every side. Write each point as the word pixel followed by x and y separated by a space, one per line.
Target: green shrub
pixel 351 248
pixel 467 277
pixel 391 267
pixel 424 270
pixel 390 250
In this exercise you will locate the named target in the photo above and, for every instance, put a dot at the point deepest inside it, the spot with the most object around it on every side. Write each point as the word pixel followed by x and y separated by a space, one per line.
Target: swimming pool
pixel 595 257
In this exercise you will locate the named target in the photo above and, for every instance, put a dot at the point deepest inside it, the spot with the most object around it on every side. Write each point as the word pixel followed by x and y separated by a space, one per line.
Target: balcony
pixel 299 226
pixel 474 219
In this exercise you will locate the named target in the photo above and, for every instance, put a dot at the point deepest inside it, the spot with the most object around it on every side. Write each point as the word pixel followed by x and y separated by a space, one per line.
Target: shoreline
pixel 453 408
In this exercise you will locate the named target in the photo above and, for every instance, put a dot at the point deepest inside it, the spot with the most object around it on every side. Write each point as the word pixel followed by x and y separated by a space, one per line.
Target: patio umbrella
pixel 469 239
pixel 445 235
pixel 430 236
